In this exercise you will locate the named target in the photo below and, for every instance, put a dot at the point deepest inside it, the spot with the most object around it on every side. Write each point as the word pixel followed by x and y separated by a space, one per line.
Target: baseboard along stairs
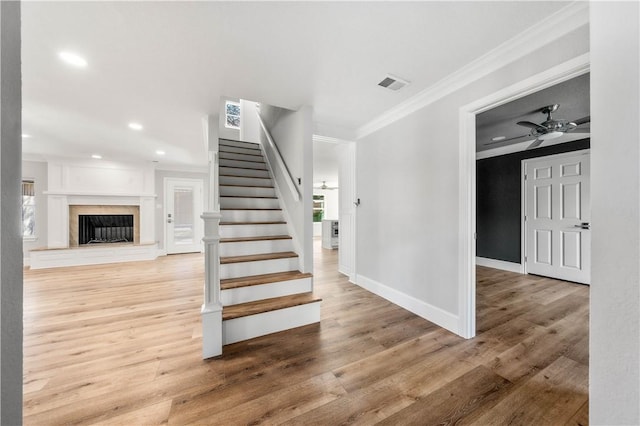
pixel 262 290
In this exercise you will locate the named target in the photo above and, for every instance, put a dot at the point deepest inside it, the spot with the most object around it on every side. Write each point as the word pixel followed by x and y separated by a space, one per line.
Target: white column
pixel 211 308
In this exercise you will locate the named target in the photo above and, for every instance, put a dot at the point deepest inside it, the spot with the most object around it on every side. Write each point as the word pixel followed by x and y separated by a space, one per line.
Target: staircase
pixel 262 290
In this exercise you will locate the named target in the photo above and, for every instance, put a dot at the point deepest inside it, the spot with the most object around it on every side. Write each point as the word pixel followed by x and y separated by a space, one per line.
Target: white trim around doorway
pixel 467 180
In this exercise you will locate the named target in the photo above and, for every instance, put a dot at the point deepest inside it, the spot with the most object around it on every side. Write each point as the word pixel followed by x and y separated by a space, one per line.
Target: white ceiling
pixel 167 64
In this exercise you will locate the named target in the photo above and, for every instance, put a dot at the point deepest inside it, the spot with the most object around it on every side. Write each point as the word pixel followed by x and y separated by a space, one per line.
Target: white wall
pixel 249 124
pixel 331 200
pixel 224 131
pixel 10 217
pixel 292 133
pixel 37 170
pixel 159 206
pixel 407 180
pixel 614 382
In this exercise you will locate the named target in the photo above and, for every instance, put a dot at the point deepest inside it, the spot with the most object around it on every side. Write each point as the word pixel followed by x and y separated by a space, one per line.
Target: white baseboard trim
pixel 26 261
pixel 161 252
pixel 500 264
pixel 423 309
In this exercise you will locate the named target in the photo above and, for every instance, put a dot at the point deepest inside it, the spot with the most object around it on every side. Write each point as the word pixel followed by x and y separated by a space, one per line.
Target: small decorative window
pixel 28 209
pixel 232 113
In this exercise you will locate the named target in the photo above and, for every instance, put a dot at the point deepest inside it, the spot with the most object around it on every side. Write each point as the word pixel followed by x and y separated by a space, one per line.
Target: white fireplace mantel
pixel 77 182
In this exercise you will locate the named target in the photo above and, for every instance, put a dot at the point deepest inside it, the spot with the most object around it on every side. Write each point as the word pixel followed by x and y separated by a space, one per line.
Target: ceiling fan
pixel 549 129
pixel 324 186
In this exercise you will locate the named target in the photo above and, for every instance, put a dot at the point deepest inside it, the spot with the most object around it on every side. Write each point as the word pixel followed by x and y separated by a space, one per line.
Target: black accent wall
pixel 499 199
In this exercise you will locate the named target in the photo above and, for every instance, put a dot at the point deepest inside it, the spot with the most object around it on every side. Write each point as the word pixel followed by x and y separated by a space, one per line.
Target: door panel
pixel 557 235
pixel 183 207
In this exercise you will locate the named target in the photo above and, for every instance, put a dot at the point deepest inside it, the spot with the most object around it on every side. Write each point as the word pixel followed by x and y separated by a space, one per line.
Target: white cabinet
pixel 329 234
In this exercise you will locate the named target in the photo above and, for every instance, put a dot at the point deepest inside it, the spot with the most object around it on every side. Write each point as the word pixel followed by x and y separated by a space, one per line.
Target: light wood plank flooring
pixel 121 344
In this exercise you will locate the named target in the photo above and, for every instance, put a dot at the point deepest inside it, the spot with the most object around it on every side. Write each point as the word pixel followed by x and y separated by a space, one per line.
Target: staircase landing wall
pixel 292 132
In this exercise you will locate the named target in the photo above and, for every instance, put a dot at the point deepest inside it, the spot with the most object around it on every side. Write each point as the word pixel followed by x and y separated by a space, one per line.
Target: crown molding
pixel 328 139
pixel 564 21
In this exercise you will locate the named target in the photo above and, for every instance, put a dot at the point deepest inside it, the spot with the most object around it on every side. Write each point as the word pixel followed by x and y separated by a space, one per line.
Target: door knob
pixel 583 225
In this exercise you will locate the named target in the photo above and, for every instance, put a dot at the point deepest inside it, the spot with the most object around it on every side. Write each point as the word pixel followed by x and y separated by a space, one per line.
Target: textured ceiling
pixel 572 96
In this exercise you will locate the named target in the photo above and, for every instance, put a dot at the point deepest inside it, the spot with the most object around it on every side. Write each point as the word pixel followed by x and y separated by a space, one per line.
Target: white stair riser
pixel 239 144
pixel 247 191
pixel 242 164
pixel 234 171
pixel 246 248
pixel 249 203
pixel 233 231
pixel 247 181
pixel 238 156
pixel 245 328
pixel 239 150
pixel 258 267
pixel 252 216
pixel 264 291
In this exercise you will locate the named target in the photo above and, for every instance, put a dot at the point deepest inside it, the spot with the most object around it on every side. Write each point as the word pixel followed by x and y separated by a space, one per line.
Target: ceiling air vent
pixel 393 83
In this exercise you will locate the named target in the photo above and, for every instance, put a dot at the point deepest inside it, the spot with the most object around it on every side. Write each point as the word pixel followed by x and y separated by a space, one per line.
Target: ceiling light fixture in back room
pixel 549 129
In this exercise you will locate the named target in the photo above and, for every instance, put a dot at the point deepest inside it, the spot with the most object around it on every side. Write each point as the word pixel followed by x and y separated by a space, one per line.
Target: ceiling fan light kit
pixel 549 129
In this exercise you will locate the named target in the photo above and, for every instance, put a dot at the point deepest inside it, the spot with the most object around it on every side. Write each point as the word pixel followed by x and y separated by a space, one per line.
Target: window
pixel 28 209
pixel 318 208
pixel 232 112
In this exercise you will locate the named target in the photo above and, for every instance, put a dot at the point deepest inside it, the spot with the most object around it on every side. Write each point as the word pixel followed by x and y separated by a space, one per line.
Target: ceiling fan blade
pixel 535 144
pixel 533 126
pixel 582 130
pixel 508 139
pixel 582 120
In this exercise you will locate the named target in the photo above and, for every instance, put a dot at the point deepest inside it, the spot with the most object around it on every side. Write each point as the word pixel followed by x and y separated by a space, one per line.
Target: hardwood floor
pixel 121 344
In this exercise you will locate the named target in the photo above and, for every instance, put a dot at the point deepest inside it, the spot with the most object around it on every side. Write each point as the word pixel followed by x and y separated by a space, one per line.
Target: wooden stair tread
pixel 266 238
pixel 231 283
pixel 222 166
pixel 245 196
pixel 241 176
pixel 245 186
pixel 222 151
pixel 257 257
pixel 277 222
pixel 267 305
pixel 255 145
pixel 244 161
pixel 247 208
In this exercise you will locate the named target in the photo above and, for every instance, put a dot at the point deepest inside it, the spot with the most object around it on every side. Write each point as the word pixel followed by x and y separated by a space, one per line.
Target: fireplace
pixel 105 228
pixel 103 224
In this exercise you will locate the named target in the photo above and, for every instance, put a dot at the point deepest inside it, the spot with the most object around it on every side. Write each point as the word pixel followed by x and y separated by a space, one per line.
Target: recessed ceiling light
pixel 160 152
pixel 96 156
pixel 135 126
pixel 498 138
pixel 73 59
pixel 24 135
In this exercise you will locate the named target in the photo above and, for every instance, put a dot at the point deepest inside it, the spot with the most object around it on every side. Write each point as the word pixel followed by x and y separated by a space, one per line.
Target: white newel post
pixel 211 308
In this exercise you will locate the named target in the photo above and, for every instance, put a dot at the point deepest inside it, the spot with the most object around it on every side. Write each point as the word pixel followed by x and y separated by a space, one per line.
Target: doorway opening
pixel 467 177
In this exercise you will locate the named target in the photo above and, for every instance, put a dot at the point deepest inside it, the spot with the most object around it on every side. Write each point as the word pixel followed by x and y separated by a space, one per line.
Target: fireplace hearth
pixel 105 228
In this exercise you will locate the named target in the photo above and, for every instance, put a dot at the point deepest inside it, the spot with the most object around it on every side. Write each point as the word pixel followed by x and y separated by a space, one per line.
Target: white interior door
pixel 347 210
pixel 183 207
pixel 557 216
